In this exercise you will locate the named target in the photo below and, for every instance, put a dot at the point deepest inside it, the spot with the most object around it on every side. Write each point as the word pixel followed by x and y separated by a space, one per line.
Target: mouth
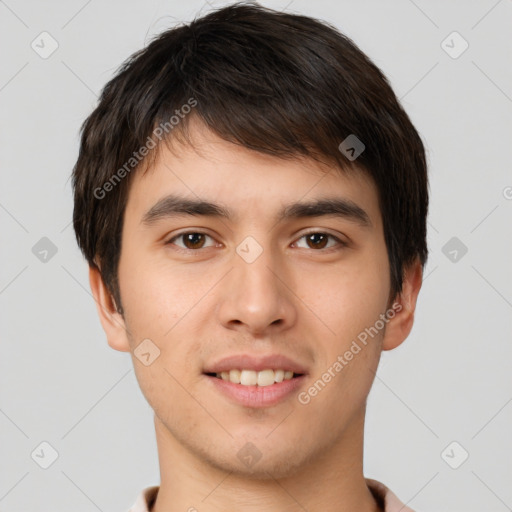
pixel 255 380
pixel 252 389
pixel 262 378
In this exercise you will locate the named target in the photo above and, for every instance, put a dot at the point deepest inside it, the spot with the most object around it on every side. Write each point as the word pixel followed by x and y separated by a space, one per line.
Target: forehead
pixel 243 181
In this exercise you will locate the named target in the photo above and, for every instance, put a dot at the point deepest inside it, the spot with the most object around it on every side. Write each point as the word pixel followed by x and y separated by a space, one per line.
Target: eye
pixel 192 240
pixel 195 240
pixel 320 240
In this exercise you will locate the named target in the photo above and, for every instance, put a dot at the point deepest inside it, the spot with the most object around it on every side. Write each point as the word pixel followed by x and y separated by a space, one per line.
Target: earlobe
pixel 111 319
pixel 400 326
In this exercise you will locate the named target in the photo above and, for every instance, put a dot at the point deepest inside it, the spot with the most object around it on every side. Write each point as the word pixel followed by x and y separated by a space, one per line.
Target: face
pixel 266 281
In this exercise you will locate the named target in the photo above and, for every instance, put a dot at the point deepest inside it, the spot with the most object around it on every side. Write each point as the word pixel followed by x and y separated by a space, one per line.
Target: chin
pixel 259 460
pixel 274 469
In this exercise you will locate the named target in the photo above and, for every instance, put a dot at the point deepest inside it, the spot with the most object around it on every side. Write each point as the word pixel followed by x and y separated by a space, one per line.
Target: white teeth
pixel 248 378
pixel 266 378
pixel 253 378
pixel 234 376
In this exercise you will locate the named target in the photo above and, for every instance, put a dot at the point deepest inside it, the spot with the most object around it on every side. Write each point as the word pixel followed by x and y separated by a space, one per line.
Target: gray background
pixel 451 381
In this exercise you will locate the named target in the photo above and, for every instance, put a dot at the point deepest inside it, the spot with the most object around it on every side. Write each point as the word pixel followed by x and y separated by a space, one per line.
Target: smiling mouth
pixel 262 378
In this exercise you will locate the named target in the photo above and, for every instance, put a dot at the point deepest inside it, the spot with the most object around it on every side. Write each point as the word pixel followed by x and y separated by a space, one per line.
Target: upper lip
pixel 256 363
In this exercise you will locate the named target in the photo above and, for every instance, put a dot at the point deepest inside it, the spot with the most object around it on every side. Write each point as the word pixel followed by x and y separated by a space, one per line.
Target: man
pixel 251 199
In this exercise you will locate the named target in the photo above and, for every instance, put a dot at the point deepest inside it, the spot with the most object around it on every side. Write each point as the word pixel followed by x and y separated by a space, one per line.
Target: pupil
pixel 192 239
pixel 318 243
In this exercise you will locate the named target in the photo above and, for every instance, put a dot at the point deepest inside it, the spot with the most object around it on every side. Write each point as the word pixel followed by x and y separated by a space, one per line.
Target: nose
pixel 257 297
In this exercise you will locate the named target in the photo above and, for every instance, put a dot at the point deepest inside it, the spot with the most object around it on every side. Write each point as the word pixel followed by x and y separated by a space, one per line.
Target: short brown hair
pixel 274 82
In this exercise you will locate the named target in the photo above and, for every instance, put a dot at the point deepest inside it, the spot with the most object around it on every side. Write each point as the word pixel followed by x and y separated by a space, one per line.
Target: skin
pixel 199 305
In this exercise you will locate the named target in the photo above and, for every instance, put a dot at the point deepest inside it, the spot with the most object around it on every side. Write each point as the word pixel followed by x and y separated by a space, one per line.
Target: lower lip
pixel 257 396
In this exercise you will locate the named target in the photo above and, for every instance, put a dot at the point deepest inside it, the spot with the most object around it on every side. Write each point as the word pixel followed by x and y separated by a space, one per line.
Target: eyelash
pixel 340 243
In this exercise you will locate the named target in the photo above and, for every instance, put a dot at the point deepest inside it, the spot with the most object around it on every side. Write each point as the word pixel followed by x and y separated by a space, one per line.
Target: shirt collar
pixel 384 496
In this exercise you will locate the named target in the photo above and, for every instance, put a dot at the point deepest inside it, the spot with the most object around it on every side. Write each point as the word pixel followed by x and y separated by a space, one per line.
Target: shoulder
pixel 386 498
pixel 145 499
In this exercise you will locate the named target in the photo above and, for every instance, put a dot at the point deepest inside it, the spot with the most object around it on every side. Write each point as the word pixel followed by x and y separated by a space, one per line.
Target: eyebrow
pixel 174 206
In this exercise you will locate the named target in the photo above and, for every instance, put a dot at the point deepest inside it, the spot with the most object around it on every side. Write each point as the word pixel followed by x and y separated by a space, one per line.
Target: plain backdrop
pixel 440 412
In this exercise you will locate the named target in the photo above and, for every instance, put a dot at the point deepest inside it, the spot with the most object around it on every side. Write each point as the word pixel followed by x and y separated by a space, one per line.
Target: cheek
pixel 155 295
pixel 349 298
pixel 164 305
pixel 348 356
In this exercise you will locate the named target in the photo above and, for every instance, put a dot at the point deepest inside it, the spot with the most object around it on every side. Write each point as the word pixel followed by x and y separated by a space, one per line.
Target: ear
pixel 404 305
pixel 112 321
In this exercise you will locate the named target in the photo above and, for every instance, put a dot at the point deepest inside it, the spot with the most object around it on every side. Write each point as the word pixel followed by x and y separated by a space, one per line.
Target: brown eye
pixel 319 240
pixel 191 240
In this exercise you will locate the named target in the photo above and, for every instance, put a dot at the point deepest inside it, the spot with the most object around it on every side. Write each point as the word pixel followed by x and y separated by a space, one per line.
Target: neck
pixel 331 482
